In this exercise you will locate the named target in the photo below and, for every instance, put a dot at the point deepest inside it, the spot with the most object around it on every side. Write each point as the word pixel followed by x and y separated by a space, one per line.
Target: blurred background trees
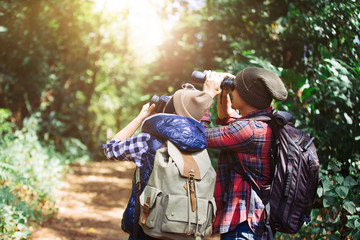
pixel 73 72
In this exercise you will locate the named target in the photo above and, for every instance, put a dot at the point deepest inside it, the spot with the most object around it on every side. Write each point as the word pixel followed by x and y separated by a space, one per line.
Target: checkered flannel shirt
pixel 131 149
pixel 249 143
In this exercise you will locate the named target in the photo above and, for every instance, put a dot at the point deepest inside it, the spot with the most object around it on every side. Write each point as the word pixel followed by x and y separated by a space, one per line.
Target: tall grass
pixel 30 171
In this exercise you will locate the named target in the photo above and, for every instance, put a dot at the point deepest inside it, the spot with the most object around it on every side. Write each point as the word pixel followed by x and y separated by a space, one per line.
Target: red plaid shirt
pixel 248 142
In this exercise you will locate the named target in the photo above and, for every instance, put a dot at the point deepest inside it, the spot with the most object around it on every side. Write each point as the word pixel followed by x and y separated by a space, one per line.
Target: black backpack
pixel 295 179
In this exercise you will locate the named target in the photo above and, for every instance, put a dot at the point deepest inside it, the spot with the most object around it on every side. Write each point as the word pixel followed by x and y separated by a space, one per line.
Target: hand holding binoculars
pixel 197 77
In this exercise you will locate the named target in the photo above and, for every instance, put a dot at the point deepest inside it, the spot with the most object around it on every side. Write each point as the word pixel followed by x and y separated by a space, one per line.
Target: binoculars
pixel 196 78
pixel 199 78
pixel 160 102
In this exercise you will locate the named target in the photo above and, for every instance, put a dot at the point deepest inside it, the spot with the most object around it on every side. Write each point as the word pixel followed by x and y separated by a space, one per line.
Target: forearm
pixel 223 106
pixel 224 109
pixel 129 130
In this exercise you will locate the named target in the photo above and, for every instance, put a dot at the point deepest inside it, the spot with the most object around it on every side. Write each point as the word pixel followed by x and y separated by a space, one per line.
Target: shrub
pixel 30 170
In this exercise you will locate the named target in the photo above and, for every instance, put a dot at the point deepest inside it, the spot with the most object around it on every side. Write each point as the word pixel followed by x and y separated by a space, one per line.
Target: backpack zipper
pixel 297 180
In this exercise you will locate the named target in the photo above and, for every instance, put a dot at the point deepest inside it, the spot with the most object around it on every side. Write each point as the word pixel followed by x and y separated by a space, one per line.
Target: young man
pixel 243 142
pixel 182 128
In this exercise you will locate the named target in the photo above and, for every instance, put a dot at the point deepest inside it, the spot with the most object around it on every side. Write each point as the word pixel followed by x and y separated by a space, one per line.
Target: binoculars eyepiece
pixel 199 78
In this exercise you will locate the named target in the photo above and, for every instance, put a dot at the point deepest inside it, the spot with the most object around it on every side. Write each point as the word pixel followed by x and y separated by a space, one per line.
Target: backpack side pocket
pixel 206 229
pixel 148 211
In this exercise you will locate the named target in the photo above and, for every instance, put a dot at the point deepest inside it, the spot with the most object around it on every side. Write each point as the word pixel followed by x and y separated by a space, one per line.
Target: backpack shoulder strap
pixel 281 118
pixel 263 118
pixel 137 201
pixel 239 169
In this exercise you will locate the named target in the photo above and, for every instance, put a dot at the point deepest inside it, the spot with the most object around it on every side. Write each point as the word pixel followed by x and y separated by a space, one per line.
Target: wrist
pixel 211 92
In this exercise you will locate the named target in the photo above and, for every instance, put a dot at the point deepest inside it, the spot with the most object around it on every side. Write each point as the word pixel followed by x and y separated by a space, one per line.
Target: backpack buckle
pixel 306 219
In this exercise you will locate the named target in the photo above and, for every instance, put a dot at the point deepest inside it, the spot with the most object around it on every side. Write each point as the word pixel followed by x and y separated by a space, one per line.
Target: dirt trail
pixel 91 203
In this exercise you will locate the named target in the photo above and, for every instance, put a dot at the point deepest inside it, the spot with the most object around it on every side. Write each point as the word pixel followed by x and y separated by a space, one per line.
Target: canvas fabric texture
pixel 178 201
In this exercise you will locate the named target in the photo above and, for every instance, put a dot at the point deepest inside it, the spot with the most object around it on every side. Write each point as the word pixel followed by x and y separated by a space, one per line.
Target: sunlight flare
pixel 146 28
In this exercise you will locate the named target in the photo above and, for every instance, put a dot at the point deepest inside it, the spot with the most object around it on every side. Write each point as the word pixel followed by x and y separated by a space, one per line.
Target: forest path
pixel 90 203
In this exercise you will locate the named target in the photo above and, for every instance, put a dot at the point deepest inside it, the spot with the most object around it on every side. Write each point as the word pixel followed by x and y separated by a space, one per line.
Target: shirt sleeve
pixel 131 149
pixel 237 136
pixel 206 119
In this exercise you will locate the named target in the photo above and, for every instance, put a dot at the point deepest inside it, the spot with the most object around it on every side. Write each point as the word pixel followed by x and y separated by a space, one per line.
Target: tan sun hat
pixel 190 102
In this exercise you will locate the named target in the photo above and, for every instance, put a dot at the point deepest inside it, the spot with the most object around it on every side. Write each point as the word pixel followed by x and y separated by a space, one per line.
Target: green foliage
pixel 71 64
pixel 48 64
pixel 14 215
pixel 291 34
pixel 30 171
pixel 333 102
pixel 340 204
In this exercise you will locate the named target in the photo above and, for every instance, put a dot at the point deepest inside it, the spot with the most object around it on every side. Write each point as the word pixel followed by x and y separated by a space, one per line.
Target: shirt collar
pixel 266 112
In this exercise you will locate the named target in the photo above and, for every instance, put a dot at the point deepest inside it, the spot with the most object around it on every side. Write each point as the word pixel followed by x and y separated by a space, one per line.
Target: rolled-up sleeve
pixel 131 149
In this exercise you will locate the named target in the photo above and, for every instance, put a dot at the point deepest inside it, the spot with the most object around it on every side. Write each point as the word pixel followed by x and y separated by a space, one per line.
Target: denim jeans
pixel 241 232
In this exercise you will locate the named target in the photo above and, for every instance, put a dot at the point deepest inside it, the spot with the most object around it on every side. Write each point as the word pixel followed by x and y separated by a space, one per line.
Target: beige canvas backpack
pixel 178 201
